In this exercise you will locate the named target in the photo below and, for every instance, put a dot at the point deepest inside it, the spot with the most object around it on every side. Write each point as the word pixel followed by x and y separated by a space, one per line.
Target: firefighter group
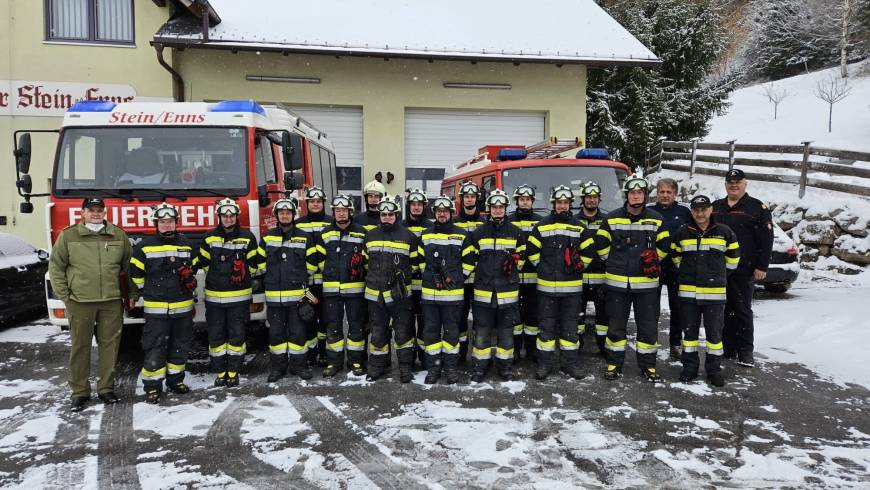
pixel 348 290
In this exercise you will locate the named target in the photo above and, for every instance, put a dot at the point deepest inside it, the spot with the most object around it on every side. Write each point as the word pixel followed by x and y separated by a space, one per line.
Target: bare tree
pixel 832 90
pixel 775 96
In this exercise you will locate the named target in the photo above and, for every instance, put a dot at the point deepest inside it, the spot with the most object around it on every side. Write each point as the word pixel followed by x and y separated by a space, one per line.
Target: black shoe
pixel 275 376
pixel 303 372
pixel 375 373
pixel 676 353
pixel 322 361
pixel 232 381
pixel 77 404
pixel 152 396
pixel 745 359
pixel 651 375
pixel 452 376
pixel 405 374
pixel 573 371
pixel 730 354
pixel 687 376
pixel 477 377
pixel 179 388
pixel 357 369
pixel 613 372
pixel 109 398
pixel 506 374
pixel 432 376
pixel 330 371
pixel 542 372
pixel 716 379
pixel 220 380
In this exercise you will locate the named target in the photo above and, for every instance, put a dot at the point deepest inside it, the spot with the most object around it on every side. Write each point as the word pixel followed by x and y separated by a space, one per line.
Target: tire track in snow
pixel 116 466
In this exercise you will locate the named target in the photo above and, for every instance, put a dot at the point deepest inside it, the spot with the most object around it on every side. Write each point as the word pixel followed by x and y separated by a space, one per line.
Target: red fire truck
pixel 137 154
pixel 542 166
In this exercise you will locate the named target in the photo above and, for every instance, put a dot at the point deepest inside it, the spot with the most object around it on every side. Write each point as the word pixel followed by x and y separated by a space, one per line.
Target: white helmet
pixel 497 197
pixel 524 190
pixel 375 187
pixel 315 192
pixel 287 203
pixel 469 188
pixel 636 181
pixel 590 189
pixel 342 201
pixel 561 192
pixel 227 206
pixel 164 210
pixel 417 195
pixel 444 202
pixel 388 205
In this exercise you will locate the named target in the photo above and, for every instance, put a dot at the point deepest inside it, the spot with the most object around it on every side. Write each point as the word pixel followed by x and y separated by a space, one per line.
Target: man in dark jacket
pixel 469 219
pixel 675 216
pixel 392 255
pixel 591 217
pixel 163 268
pixel 416 221
pixel 369 218
pixel 705 254
pixel 313 222
pixel 750 219
pixel 525 218
pixel 229 256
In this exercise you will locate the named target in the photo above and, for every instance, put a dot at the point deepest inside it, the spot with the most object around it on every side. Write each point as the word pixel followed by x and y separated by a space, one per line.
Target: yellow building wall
pixel 384 89
pixel 25 55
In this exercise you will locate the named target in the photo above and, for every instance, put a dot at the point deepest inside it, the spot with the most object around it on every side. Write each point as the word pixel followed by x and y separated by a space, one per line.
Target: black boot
pixel 108 398
pixel 152 396
pixel 651 375
pixel 358 369
pixel 574 371
pixel 220 379
pixel 477 376
pixel 452 376
pixel 613 372
pixel 542 370
pixel 179 388
pixel 330 370
pixel 303 371
pixel 375 373
pixel 687 376
pixel 275 376
pixel 232 381
pixel 405 374
pixel 322 360
pixel 506 373
pixel 77 404
pixel 716 379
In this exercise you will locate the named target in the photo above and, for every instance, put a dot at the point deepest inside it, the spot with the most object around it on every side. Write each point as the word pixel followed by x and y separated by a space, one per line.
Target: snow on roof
pixel 555 31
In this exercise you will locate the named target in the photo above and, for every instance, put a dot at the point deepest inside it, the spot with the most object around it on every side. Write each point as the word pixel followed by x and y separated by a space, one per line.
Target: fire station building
pixel 407 89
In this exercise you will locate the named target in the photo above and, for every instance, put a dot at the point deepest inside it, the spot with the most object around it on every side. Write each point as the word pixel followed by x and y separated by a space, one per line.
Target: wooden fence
pixel 795 158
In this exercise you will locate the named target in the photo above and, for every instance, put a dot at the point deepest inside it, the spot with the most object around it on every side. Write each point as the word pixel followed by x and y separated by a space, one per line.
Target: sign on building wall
pixel 39 98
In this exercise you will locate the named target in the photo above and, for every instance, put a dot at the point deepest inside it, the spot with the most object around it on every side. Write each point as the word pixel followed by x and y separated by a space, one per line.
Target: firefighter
pixel 750 219
pixel 339 247
pixel 591 217
pixel 494 254
pixel 469 219
pixel 313 222
pixel 163 268
pixel 288 259
pixel 632 240
pixel 369 218
pixel 705 253
pixel 525 218
pixel 558 250
pixel 229 256
pixel 442 291
pixel 416 221
pixel 392 255
pixel 675 215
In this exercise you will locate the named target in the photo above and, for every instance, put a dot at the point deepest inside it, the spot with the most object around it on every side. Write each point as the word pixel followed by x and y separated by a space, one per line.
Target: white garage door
pixel 344 128
pixel 437 140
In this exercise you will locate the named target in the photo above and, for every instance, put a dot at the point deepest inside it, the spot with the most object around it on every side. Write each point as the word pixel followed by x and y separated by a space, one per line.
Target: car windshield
pixel 139 161
pixel 543 179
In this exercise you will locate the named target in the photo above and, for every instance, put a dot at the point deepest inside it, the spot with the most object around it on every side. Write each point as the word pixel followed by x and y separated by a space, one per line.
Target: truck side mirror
pixel 292 181
pixel 22 153
pixel 25 207
pixel 25 184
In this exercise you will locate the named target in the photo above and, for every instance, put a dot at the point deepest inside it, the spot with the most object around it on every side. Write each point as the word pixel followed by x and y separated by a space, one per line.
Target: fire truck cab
pixel 191 154
pixel 543 166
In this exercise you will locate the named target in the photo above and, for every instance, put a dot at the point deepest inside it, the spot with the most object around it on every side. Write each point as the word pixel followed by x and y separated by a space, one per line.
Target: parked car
pixel 784 263
pixel 22 278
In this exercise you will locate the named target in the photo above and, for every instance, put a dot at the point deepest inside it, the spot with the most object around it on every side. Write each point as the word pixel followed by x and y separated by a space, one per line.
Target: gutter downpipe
pixel 178 82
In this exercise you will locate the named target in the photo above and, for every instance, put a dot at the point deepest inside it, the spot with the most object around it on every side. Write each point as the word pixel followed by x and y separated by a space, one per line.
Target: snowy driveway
pixel 780 425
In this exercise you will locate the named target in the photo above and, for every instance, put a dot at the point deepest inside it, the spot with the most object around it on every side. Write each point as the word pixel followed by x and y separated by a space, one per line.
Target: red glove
pixel 510 263
pixel 574 260
pixel 187 277
pixel 129 304
pixel 356 266
pixel 650 263
pixel 239 273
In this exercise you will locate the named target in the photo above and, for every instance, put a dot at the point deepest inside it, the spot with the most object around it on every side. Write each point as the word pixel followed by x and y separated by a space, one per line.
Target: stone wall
pixel 823 232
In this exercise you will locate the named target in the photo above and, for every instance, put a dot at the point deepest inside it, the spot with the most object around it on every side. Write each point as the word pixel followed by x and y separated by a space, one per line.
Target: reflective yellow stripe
pixel 546 345
pixel 174 368
pixel 138 263
pixel 157 374
pixel 644 348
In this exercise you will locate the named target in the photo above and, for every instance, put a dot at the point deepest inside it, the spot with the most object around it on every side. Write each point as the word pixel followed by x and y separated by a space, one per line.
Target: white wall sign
pixel 36 98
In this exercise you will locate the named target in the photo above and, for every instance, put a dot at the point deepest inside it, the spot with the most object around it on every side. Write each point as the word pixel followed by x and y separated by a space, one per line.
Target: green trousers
pixel 105 319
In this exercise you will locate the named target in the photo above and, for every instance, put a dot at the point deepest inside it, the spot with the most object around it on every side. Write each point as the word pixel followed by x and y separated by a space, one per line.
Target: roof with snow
pixel 544 31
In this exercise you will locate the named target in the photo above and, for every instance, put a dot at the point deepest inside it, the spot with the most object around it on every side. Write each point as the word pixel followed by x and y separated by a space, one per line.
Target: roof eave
pixel 184 43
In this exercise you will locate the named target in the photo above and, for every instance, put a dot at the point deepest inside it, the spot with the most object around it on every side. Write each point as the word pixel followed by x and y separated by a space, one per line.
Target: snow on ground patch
pixel 170 422
pixel 159 475
pixel 33 333
pixel 33 389
pixel 80 473
pixel 33 434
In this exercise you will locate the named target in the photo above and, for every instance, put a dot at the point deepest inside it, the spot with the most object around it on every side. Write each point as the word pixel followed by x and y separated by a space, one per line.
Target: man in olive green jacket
pixel 85 268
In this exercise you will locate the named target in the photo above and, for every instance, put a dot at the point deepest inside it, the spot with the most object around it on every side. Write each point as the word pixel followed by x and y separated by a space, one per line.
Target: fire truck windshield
pixel 543 179
pixel 145 161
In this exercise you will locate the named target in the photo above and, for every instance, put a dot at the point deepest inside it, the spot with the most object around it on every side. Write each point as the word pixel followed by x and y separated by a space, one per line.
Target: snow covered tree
pixel 629 108
pixel 831 91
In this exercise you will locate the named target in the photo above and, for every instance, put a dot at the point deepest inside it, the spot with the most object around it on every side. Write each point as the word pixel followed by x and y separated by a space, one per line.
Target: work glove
pixel 305 308
pixel 574 260
pixel 187 277
pixel 357 270
pixel 510 263
pixel 239 272
pixel 650 264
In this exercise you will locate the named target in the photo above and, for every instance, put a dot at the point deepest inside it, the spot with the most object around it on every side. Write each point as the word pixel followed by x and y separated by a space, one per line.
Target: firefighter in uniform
pixel 416 221
pixel 591 217
pixel 494 253
pixel 750 219
pixel 229 256
pixel 313 222
pixel 369 218
pixel 705 254
pixel 392 255
pixel 162 267
pixel 442 291
pixel 288 260
pixel 558 250
pixel 525 218
pixel 469 219
pixel 632 240
pixel 339 247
